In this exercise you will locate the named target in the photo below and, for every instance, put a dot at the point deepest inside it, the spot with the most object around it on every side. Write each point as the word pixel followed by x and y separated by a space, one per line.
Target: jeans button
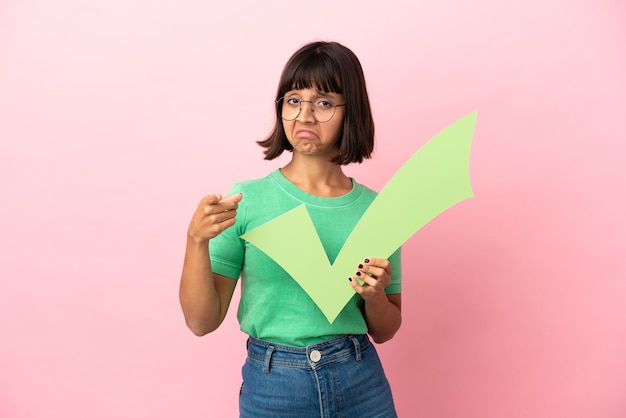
pixel 315 356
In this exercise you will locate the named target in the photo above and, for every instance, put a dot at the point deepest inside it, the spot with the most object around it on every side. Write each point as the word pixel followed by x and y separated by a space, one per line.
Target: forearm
pixel 205 296
pixel 199 298
pixel 383 317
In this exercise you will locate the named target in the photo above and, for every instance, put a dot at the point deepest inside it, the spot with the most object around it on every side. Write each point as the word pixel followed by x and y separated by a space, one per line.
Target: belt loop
pixel 268 358
pixel 357 347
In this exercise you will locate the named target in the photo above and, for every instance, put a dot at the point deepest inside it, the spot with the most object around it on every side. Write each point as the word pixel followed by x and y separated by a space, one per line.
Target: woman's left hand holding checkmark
pixel 374 275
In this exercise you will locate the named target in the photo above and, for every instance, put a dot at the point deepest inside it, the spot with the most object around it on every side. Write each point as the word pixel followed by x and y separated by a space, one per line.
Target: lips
pixel 305 133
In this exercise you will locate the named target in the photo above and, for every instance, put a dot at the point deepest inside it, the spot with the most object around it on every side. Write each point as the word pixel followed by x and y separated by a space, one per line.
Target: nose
pixel 306 115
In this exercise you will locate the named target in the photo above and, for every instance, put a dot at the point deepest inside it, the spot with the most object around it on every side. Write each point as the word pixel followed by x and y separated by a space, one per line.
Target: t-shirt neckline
pixel 308 198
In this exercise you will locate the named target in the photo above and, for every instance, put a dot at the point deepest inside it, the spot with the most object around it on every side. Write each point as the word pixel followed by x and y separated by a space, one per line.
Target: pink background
pixel 116 117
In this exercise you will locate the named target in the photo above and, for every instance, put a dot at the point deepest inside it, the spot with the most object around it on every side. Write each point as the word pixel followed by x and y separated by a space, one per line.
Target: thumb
pixel 212 199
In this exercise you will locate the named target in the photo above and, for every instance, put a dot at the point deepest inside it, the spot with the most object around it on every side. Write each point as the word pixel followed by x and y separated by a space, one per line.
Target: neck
pixel 317 177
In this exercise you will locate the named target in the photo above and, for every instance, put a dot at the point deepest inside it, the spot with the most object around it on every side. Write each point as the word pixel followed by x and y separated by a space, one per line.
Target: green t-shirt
pixel 273 306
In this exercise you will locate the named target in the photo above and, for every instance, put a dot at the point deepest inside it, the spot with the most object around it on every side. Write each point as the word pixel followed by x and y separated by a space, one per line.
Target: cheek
pixel 287 129
pixel 337 131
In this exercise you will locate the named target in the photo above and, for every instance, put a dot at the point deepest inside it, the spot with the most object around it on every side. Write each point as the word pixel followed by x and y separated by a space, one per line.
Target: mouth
pixel 305 133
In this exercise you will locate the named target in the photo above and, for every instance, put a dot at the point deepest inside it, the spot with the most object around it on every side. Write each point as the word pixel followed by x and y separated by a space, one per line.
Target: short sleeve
pixel 396 273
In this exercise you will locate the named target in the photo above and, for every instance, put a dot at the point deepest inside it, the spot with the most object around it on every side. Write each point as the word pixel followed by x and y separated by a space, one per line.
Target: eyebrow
pixel 320 93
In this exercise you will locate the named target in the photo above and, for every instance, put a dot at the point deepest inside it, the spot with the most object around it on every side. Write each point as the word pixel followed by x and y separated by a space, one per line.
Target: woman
pixel 299 364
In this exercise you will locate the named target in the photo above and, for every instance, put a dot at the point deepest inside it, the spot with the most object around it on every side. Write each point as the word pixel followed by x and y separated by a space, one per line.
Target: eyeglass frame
pixel 335 106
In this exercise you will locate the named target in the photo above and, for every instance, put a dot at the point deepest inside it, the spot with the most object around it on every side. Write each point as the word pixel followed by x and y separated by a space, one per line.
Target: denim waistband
pixel 311 356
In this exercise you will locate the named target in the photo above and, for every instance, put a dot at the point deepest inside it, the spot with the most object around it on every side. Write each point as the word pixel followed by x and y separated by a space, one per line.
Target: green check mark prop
pixel 431 181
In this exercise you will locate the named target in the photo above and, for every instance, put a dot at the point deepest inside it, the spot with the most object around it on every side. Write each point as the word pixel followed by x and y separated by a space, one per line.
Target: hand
pixel 375 273
pixel 213 215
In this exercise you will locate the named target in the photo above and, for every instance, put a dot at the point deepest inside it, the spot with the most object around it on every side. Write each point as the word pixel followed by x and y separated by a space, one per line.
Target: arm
pixel 382 311
pixel 204 295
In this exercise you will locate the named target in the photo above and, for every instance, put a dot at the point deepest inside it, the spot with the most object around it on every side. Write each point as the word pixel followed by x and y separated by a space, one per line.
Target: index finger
pixel 232 198
pixel 230 202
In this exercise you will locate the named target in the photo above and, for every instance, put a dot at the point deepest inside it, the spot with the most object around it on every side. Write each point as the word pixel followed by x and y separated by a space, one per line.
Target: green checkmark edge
pixel 434 179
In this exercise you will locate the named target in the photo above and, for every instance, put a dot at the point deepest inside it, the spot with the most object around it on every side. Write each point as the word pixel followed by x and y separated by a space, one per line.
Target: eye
pixel 324 103
pixel 292 101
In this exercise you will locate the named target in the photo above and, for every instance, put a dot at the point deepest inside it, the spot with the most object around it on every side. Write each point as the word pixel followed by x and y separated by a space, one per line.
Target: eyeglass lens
pixel 321 110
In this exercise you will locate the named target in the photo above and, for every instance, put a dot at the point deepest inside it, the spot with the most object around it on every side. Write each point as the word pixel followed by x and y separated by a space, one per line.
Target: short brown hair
pixel 330 67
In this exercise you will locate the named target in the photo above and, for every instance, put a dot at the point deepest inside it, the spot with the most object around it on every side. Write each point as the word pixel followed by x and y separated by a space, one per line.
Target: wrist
pixel 377 301
pixel 197 241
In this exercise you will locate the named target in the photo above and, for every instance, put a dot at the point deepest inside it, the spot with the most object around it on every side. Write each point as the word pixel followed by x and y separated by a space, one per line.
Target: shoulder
pixel 252 185
pixel 365 191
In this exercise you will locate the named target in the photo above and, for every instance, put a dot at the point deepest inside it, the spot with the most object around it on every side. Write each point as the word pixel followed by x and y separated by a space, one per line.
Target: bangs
pixel 315 71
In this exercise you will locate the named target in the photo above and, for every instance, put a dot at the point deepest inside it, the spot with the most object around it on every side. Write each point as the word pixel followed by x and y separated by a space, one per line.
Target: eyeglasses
pixel 321 109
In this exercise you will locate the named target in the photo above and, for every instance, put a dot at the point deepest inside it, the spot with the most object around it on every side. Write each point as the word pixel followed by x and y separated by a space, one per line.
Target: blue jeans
pixel 338 378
